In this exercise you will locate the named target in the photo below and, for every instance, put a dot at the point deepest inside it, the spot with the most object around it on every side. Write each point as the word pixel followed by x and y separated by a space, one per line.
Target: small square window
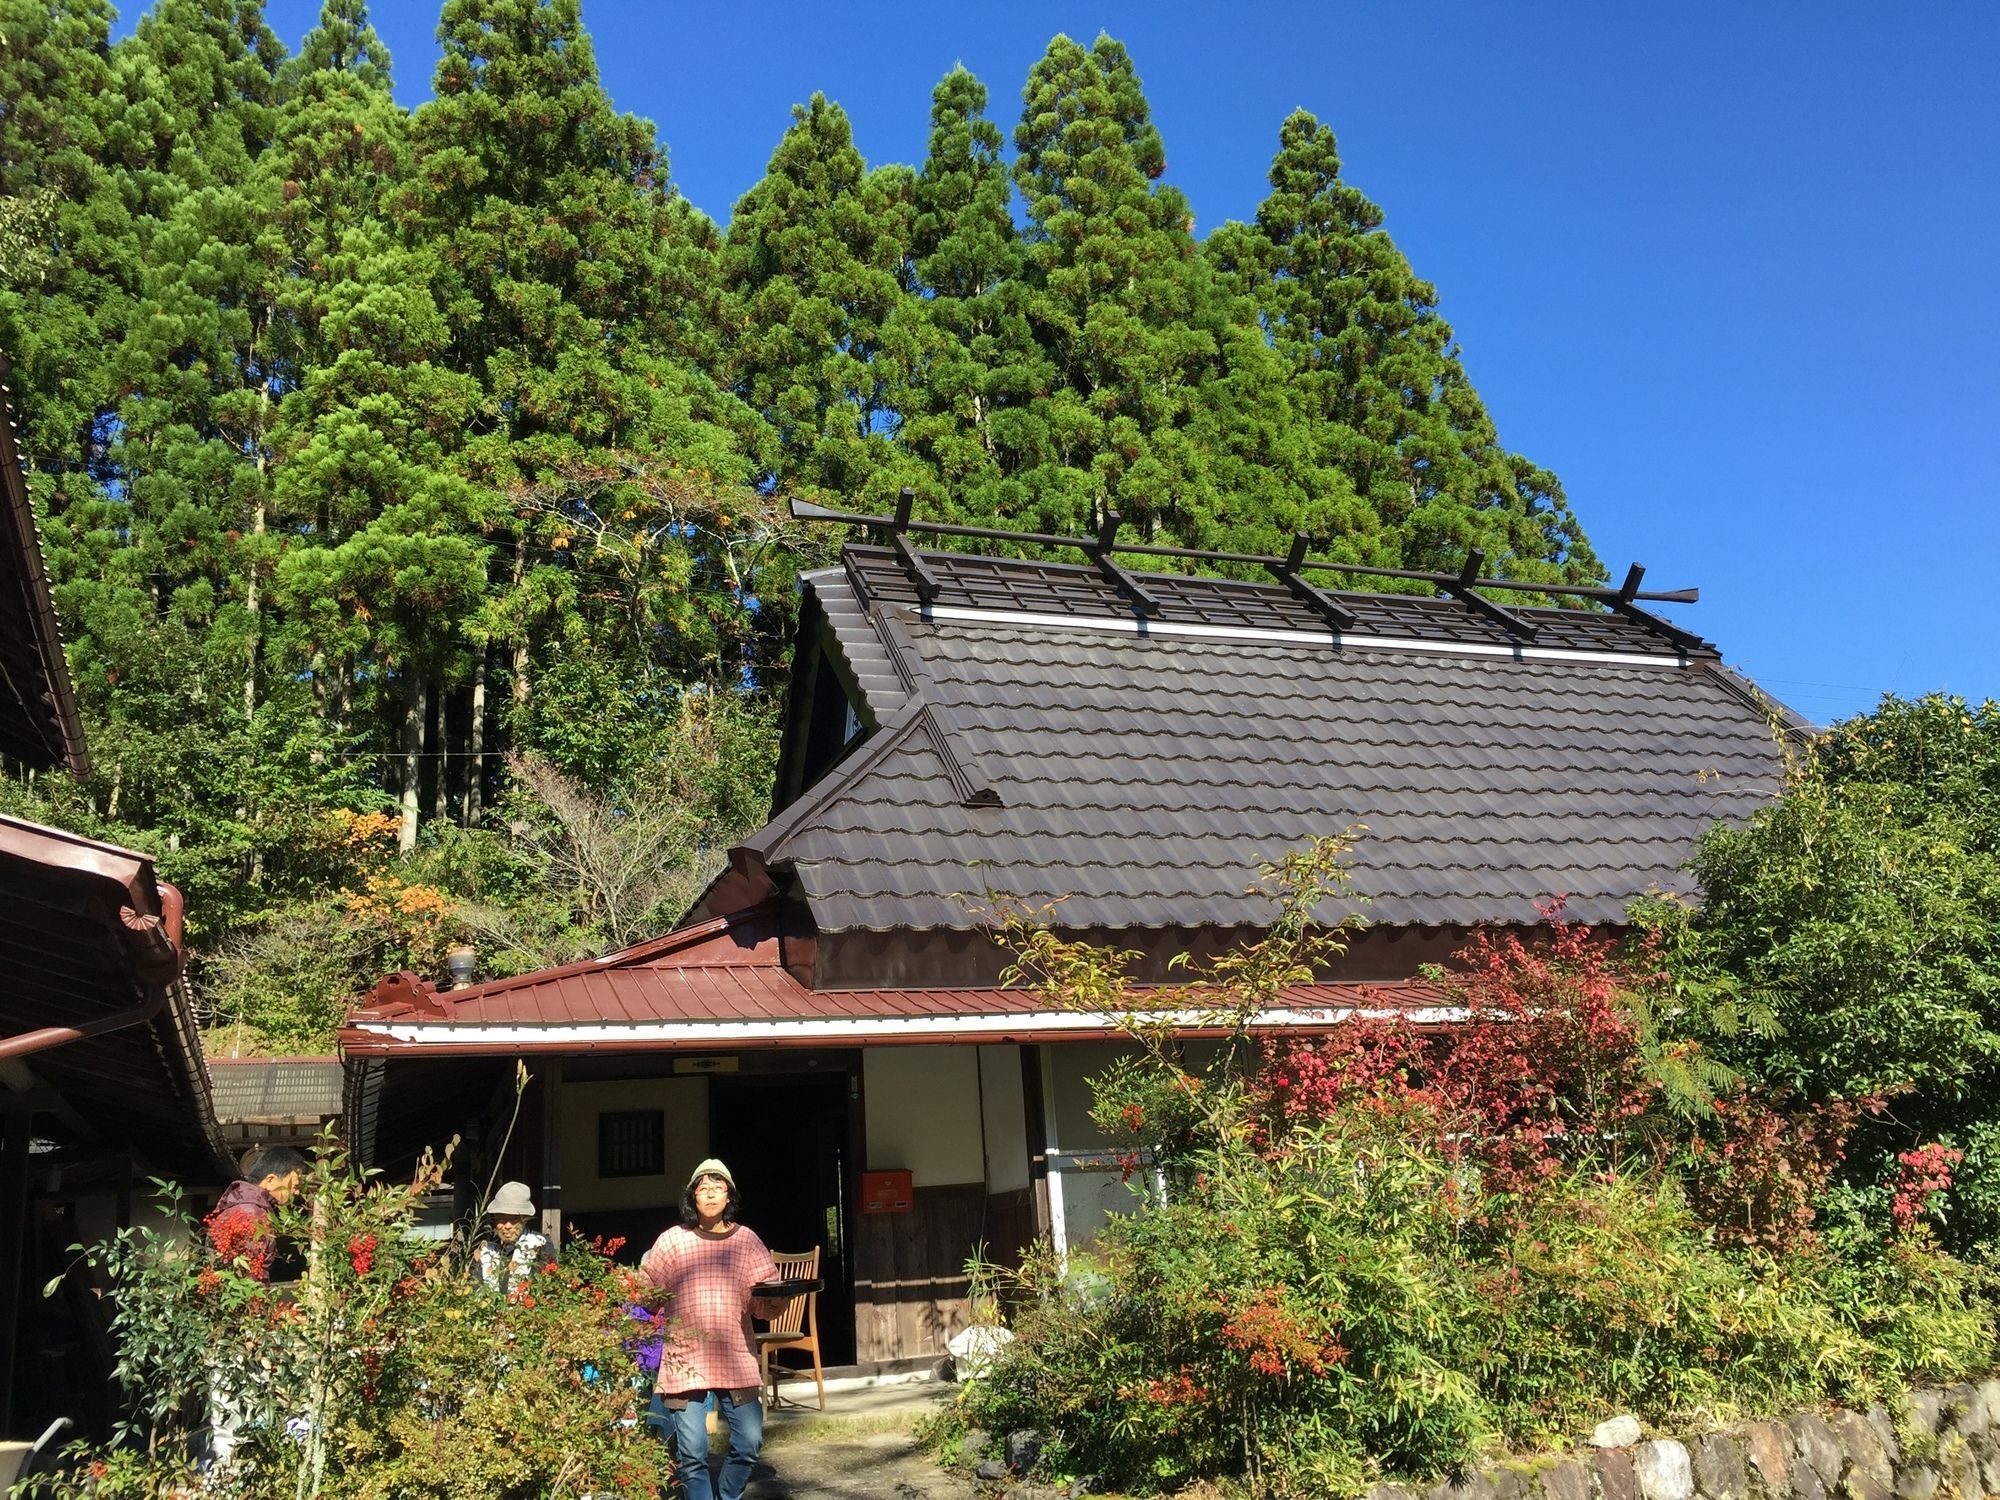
pixel 632 1143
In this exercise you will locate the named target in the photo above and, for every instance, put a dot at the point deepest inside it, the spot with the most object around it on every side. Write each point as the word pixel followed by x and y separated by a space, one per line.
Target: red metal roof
pixel 724 983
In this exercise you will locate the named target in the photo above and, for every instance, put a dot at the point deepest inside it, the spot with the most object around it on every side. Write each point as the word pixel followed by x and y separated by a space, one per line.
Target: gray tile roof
pixel 1141 778
pixel 863 659
pixel 280 1089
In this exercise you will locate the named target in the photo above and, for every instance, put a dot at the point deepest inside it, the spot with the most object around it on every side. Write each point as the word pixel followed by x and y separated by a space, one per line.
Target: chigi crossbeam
pixel 1466 586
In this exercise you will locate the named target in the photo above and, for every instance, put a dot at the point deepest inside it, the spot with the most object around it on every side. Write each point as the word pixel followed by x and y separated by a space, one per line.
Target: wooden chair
pixel 797 1327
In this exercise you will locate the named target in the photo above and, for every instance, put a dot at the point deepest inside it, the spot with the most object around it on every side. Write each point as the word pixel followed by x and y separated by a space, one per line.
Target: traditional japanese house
pixel 1127 748
pixel 101 1077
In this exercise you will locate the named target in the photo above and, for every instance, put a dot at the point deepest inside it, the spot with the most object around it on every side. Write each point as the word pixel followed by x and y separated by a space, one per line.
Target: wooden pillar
pixel 550 1195
pixel 19 1126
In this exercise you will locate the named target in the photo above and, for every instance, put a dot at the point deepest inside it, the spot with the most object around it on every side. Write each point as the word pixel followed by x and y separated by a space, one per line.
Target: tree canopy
pixel 378 448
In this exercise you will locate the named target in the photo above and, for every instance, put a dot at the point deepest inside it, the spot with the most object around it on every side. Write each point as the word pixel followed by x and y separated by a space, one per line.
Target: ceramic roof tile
pixel 1142 777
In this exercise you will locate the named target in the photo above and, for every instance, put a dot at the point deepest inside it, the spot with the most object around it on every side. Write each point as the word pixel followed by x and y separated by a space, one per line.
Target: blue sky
pixel 1730 270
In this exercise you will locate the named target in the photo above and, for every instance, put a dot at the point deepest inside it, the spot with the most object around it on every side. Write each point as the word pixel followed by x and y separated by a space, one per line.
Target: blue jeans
pixel 688 1432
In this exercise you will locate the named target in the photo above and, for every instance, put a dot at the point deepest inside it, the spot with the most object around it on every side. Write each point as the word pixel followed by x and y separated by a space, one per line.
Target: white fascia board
pixel 1293 637
pixel 442 1036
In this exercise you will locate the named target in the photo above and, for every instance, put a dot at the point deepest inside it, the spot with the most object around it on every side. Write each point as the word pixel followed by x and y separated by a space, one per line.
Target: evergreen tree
pixel 811 258
pixel 1122 306
pixel 1265 476
pixel 193 96
pixel 969 369
pixel 67 255
pixel 382 560
pixel 560 248
pixel 1374 372
pixel 159 564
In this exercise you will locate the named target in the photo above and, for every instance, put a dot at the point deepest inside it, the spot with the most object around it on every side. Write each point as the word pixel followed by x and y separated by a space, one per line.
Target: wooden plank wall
pixel 1010 1226
pixel 910 1288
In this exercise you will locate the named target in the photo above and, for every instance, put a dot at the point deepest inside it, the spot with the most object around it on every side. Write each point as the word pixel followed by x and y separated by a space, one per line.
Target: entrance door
pixel 785 1136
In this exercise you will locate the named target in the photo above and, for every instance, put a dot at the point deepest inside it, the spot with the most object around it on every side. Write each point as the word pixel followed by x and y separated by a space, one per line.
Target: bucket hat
pixel 713 1167
pixel 512 1200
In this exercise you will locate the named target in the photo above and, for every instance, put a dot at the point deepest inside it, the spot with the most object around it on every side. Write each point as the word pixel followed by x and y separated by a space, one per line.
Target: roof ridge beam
pixel 805 510
pixel 922 579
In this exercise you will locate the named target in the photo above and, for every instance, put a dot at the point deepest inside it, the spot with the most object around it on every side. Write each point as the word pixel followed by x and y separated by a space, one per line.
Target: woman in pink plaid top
pixel 707 1264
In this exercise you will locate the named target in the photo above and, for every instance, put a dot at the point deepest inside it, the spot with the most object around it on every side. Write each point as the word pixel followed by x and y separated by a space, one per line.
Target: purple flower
pixel 645 1347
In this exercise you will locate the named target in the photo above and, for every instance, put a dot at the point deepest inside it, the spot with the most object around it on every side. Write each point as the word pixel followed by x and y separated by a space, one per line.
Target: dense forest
pixel 414 482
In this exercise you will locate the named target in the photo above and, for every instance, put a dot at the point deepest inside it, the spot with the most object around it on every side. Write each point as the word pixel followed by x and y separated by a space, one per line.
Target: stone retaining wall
pixel 1946 1446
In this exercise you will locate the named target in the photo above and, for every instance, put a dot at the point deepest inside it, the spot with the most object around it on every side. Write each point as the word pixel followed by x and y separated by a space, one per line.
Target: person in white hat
pixel 708 1264
pixel 509 1252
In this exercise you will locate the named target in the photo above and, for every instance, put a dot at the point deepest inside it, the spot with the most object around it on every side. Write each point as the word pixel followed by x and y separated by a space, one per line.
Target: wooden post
pixel 19 1126
pixel 551 1185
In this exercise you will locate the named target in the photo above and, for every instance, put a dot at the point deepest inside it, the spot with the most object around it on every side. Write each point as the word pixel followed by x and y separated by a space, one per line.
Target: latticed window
pixel 631 1143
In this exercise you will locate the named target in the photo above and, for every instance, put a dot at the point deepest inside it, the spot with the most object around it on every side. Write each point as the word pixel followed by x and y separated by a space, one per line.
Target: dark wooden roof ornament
pixel 1318 600
pixel 922 579
pixel 1462 585
pixel 1460 588
pixel 1099 550
pixel 1687 640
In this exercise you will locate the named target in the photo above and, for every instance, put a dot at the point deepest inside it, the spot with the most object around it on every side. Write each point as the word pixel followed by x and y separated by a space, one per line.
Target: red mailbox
pixel 886 1192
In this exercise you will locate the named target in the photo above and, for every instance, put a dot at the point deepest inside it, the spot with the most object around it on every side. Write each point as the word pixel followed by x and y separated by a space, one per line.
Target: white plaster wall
pixel 922 1108
pixel 1006 1118
pixel 685 1104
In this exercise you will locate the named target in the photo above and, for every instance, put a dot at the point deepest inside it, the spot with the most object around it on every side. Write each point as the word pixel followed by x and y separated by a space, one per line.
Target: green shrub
pixel 1395 1250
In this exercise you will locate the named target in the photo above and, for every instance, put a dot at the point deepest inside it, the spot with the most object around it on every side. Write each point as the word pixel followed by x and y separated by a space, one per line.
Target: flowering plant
pixel 1383 1250
pixel 385 1370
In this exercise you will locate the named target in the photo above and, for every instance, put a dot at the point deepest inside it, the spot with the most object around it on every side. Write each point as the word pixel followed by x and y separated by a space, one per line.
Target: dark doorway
pixel 785 1137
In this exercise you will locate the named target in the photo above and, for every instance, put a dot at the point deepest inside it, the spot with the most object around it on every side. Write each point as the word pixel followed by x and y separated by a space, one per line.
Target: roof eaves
pixel 1312 1006
pixel 1784 720
pixel 63 731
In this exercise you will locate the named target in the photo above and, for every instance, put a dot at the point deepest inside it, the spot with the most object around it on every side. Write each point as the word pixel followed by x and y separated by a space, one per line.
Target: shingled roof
pixel 1030 733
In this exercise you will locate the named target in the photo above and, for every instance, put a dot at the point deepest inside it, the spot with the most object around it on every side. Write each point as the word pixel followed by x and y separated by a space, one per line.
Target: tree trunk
pixel 343 685
pixel 475 765
pixel 416 703
pixel 252 604
pixel 521 641
pixel 441 753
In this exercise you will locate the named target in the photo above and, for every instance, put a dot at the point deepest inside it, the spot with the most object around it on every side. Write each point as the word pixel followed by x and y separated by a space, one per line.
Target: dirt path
pixel 878 1466
pixel 858 1448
